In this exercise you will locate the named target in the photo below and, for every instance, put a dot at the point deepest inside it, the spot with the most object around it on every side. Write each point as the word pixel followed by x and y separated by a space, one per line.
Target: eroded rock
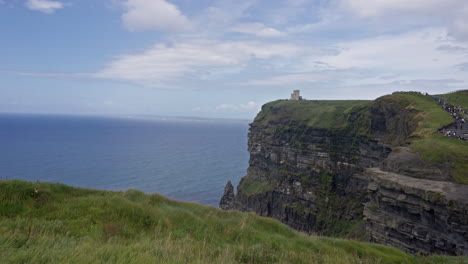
pixel 227 200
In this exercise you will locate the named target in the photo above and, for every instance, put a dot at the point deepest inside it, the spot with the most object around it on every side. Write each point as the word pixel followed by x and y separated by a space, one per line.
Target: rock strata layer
pixel 420 216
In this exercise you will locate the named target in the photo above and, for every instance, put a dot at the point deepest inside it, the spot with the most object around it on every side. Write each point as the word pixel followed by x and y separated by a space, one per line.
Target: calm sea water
pixel 189 160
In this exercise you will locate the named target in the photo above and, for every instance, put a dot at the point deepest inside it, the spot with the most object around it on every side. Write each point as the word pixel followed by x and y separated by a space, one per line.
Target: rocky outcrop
pixel 404 161
pixel 227 200
pixel 392 122
pixel 420 216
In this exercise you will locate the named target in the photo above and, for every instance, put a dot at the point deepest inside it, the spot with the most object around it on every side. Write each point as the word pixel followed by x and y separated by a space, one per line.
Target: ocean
pixel 183 159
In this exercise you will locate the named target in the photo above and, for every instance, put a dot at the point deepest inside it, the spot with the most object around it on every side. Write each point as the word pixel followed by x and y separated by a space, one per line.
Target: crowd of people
pixel 451 133
pixel 459 114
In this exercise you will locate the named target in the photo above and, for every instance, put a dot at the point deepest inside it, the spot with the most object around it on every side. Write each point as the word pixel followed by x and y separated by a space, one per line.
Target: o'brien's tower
pixel 295 95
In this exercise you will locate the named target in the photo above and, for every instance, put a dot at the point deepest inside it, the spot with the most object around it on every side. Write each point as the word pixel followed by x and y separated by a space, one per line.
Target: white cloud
pixel 366 8
pixel 250 106
pixel 417 55
pixel 154 15
pixel 257 29
pixel 322 77
pixel 44 6
pixel 410 52
pixel 166 63
pixel 452 13
pixel 225 12
pixel 397 59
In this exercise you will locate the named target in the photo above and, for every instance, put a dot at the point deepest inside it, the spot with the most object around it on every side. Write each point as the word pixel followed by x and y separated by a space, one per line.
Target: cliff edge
pixel 309 168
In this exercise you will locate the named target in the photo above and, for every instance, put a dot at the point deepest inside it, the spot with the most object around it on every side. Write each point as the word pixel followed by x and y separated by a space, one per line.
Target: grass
pixel 251 186
pixel 55 223
pixel 310 113
pixel 459 98
pixel 432 146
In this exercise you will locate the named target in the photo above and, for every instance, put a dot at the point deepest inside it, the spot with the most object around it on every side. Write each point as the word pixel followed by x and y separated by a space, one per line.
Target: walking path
pixel 458 129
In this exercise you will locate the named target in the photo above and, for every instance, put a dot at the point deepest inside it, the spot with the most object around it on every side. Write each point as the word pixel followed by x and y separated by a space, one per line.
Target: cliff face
pixel 306 186
pixel 420 216
pixel 309 173
pixel 308 166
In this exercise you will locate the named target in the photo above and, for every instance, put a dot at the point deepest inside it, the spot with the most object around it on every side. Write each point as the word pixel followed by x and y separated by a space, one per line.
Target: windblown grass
pixel 55 223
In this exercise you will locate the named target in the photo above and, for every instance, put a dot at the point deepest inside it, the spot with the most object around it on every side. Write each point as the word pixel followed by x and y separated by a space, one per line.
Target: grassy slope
pixel 54 223
pixel 432 146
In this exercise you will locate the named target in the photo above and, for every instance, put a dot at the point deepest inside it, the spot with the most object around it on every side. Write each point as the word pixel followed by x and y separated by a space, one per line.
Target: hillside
pixel 459 98
pixel 55 223
pixel 431 145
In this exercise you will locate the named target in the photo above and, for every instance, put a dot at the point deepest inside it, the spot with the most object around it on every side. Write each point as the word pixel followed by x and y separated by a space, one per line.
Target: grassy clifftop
pixel 355 116
pixel 55 223
pixel 310 113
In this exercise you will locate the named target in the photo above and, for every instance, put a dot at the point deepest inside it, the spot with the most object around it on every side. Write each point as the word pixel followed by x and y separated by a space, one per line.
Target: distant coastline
pixel 185 118
pixel 141 117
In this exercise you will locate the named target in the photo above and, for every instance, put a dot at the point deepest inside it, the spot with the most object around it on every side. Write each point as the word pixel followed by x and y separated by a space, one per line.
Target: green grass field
pixel 55 223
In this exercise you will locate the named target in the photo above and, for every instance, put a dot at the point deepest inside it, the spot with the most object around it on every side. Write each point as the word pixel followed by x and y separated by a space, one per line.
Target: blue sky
pixel 223 58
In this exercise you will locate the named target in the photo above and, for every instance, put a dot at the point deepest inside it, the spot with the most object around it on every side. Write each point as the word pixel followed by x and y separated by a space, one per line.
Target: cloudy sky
pixel 223 58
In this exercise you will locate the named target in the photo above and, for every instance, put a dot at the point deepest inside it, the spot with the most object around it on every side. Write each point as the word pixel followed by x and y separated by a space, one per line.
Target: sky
pixel 223 58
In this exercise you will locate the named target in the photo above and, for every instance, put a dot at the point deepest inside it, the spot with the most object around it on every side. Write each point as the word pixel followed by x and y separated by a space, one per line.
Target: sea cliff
pixel 315 165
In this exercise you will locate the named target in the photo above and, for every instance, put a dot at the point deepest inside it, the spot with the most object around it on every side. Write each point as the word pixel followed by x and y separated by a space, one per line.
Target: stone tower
pixel 295 96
